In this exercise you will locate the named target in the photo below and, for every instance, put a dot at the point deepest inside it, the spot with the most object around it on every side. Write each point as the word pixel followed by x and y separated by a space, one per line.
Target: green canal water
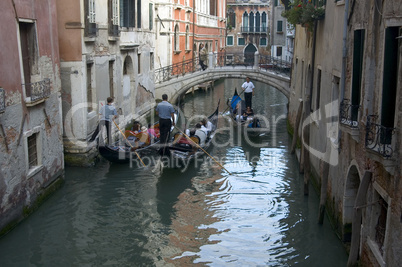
pixel 117 215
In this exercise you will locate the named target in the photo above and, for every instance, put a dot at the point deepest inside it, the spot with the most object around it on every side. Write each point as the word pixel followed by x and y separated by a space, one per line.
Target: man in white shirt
pixel 248 88
pixel 200 133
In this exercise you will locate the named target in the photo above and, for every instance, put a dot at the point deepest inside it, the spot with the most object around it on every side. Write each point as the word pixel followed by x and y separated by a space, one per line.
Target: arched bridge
pixel 176 79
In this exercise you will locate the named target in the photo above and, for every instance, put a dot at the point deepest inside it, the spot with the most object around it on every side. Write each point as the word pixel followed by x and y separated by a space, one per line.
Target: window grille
pixel 32 151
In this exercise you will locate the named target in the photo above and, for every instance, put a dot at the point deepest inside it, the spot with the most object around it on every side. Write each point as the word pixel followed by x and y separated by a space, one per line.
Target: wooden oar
pixel 138 156
pixel 233 100
pixel 188 138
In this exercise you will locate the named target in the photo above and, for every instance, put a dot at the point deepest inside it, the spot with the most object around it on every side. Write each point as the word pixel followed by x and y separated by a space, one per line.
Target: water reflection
pixel 116 215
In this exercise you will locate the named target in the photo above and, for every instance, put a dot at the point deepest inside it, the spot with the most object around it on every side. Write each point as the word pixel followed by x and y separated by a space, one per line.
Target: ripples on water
pixel 118 216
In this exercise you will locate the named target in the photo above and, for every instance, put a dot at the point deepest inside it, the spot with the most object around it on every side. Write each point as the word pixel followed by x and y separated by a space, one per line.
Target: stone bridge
pixel 175 80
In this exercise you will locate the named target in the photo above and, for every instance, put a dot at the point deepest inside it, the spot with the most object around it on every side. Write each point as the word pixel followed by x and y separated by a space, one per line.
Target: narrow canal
pixel 120 216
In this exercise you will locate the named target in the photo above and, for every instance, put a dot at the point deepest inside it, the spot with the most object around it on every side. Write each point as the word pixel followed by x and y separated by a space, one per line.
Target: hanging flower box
pixel 304 13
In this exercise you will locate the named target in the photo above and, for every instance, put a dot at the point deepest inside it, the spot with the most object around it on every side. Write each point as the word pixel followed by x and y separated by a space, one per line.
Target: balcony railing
pixel 2 100
pixel 348 114
pixel 379 137
pixel 38 90
pixel 261 29
pixel 91 30
pixel 114 30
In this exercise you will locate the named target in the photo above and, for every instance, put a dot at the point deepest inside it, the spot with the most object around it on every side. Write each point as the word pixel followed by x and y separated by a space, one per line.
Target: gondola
pixel 144 144
pixel 237 108
pixel 183 150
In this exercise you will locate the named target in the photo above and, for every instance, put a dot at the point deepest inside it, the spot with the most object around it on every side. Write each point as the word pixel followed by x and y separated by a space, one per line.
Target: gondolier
pixel 248 88
pixel 165 111
pixel 108 113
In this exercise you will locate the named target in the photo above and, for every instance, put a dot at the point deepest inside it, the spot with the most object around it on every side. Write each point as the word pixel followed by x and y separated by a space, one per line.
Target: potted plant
pixel 304 13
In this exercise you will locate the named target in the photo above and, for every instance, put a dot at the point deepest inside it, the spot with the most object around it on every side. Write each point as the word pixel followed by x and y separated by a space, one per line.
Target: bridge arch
pixel 178 86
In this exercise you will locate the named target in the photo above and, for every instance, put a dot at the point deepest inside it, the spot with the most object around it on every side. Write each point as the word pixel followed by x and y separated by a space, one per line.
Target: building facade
pixel 106 49
pixel 346 90
pixel 31 145
pixel 183 25
pixel 248 27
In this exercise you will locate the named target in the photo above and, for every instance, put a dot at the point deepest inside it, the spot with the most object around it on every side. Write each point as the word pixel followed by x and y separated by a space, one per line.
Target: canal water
pixel 117 215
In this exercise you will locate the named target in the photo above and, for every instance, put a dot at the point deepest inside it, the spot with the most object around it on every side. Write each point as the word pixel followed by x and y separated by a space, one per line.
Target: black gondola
pixel 237 108
pixel 184 150
pixel 125 153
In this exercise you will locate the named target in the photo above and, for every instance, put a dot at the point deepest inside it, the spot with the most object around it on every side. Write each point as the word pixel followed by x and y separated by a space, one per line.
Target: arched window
pixel 264 22
pixel 231 19
pixel 245 22
pixel 176 38
pixel 251 21
pixel 187 38
pixel 257 22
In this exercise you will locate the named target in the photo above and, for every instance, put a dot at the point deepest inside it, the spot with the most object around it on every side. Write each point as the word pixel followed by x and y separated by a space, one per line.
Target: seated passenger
pixel 207 125
pixel 248 113
pixel 200 133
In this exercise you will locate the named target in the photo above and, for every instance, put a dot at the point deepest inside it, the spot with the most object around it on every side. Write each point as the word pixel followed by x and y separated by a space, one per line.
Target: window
pixel 139 14
pixel 245 22
pixel 89 86
pixel 91 11
pixel 151 16
pixel 139 63
pixel 176 38
pixel 91 28
pixel 212 7
pixel 264 22
pixel 358 50
pixel 263 41
pixel 111 78
pixel 378 223
pixel 251 21
pixel 390 79
pixel 279 26
pixel 231 19
pixel 32 151
pixel 257 22
pixel 187 38
pixel 241 41
pixel 113 14
pixel 127 13
pixel 279 51
pixel 151 60
pixel 229 40
pixel 29 52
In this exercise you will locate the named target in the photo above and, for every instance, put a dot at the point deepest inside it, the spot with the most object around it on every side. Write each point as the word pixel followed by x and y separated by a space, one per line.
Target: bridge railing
pixel 224 59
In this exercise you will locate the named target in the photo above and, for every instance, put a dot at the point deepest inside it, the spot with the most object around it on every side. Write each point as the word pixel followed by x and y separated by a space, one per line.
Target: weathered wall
pixel 22 187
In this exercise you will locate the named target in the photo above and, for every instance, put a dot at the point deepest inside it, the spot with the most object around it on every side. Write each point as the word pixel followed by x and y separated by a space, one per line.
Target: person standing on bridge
pixel 248 88
pixel 165 112
pixel 203 57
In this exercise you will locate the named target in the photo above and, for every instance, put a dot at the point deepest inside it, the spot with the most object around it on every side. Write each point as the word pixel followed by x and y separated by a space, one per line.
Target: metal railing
pixel 2 100
pixel 172 71
pixel 379 137
pixel 348 113
pixel 260 29
pixel 223 59
pixel 91 30
pixel 38 90
pixel 114 30
pixel 234 59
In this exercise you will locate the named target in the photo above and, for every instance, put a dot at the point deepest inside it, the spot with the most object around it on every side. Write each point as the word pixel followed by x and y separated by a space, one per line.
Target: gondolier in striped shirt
pixel 165 111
